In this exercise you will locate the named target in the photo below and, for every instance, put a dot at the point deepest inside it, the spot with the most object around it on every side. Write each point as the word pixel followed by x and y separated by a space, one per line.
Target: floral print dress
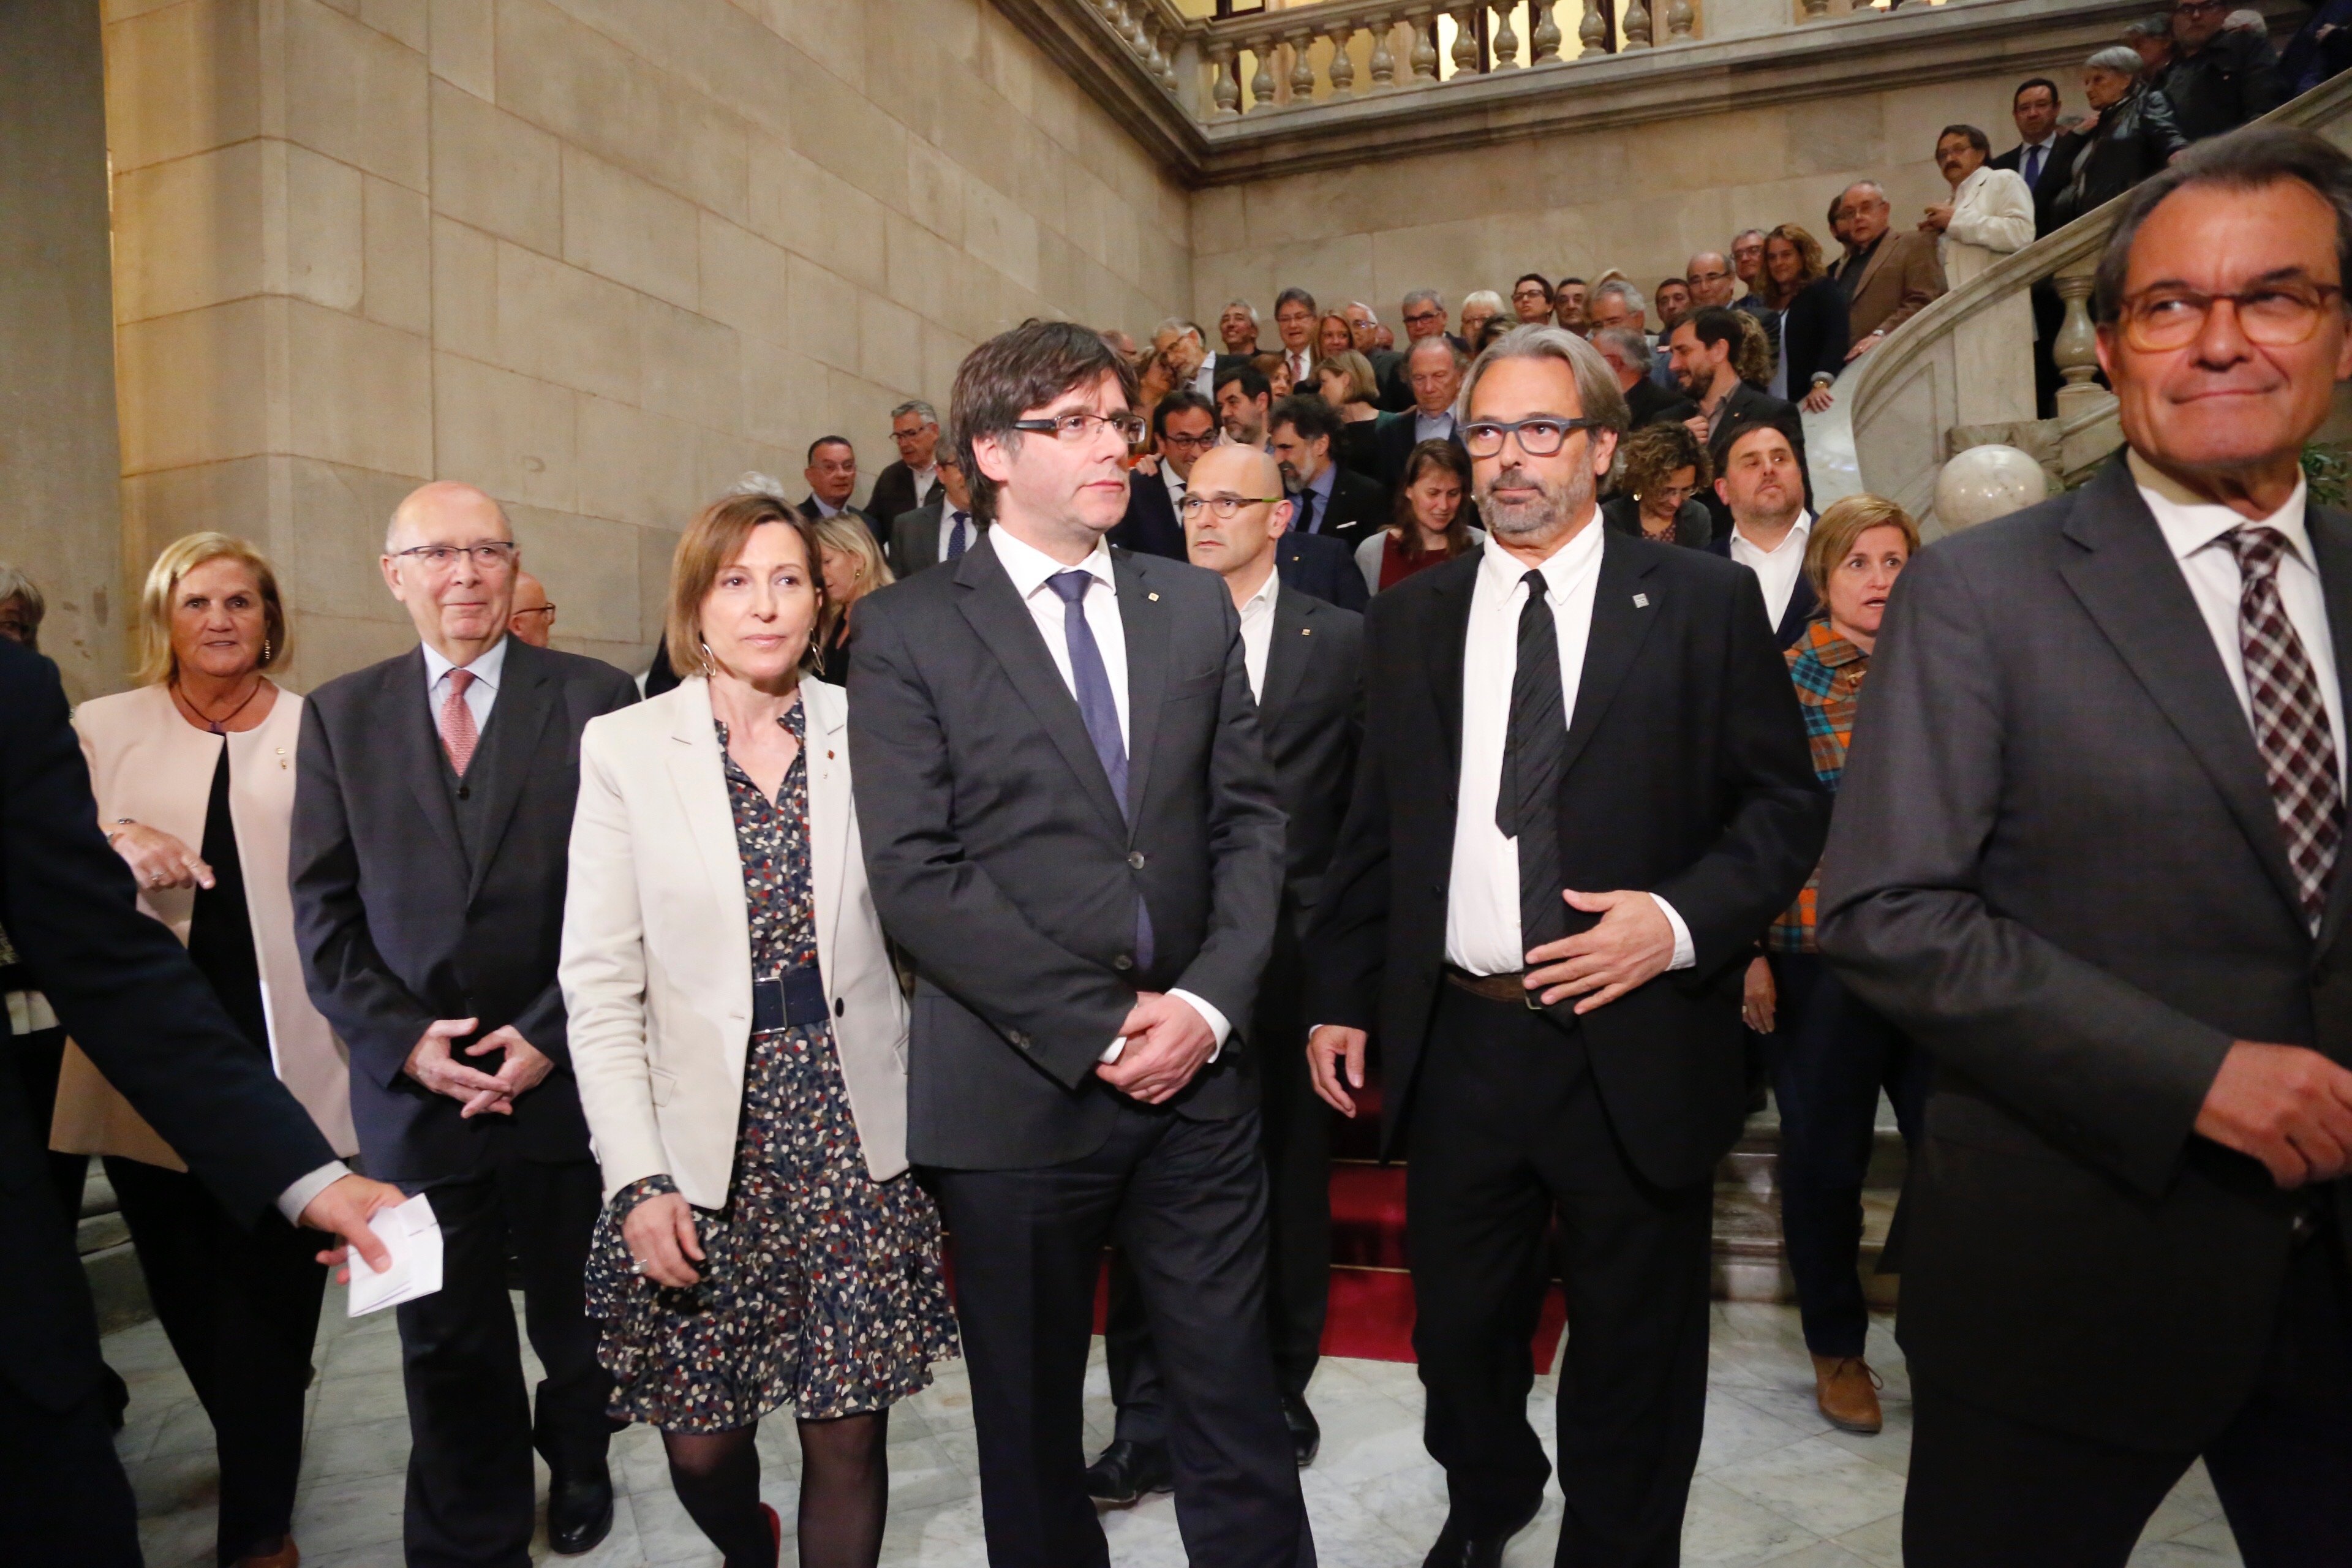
pixel 821 1287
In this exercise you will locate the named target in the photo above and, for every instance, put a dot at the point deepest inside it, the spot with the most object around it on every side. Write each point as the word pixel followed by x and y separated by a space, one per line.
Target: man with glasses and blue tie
pixel 1082 852
pixel 938 531
pixel 432 823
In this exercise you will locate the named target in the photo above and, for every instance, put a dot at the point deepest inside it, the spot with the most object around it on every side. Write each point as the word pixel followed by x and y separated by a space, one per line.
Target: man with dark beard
pixel 1584 793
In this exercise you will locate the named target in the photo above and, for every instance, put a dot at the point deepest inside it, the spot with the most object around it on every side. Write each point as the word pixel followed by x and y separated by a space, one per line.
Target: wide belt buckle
pixel 793 998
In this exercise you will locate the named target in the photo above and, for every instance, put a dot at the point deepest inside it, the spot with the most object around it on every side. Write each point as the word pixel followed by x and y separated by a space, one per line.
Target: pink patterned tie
pixel 457 731
pixel 2290 720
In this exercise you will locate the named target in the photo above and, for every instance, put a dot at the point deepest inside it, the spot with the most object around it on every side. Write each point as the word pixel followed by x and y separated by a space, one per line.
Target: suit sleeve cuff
pixel 296 1198
pixel 1685 951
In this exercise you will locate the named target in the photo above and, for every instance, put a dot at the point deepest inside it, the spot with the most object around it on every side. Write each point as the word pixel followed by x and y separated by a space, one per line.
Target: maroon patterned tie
pixel 2290 721
pixel 458 735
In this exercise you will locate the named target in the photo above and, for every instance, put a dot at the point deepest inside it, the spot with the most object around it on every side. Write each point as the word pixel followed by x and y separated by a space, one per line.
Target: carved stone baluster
pixel 1425 44
pixel 1592 32
pixel 2075 349
pixel 1169 44
pixel 1302 66
pixel 1262 83
pixel 1680 20
pixel 1506 42
pixel 1138 37
pixel 1342 70
pixel 1465 40
pixel 1384 63
pixel 1637 24
pixel 1227 93
pixel 1815 11
pixel 1546 38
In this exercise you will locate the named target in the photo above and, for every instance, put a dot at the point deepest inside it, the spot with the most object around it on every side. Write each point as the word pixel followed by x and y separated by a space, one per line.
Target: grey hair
pixel 14 584
pixel 1485 297
pixel 1876 189
pixel 2249 159
pixel 1425 297
pixel 1629 342
pixel 1460 361
pixel 1744 233
pixel 1245 305
pixel 1596 383
pixel 1367 310
pixel 2157 27
pixel 1179 326
pixel 915 406
pixel 1623 290
pixel 2120 58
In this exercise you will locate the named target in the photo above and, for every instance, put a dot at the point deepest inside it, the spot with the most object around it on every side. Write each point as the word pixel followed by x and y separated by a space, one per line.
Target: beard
pixel 1556 504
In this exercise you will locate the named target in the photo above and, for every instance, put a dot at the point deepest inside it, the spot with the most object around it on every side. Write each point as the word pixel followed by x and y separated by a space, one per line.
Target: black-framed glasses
pixel 490 554
pixel 1541 436
pixel 1202 443
pixel 1530 292
pixel 1079 424
pixel 1422 318
pixel 1224 508
pixel 547 610
pixel 2275 315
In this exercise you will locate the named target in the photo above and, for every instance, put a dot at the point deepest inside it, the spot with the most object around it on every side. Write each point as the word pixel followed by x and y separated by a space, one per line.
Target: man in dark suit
pixel 832 476
pixel 1303 655
pixel 1584 791
pixel 1434 368
pixel 939 530
pixel 431 819
pixel 1762 493
pixel 1183 425
pixel 2088 853
pixel 914 479
pixel 1702 347
pixel 1632 361
pixel 2034 109
pixel 1323 569
pixel 1328 501
pixel 1893 274
pixel 127 993
pixel 1365 331
pixel 2220 76
pixel 1082 853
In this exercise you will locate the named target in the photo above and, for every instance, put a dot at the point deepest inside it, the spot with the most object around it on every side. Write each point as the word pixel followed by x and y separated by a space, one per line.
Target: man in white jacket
pixel 1990 215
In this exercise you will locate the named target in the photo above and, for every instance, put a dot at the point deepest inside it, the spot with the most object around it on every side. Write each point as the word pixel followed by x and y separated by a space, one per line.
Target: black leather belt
pixel 795 996
pixel 1506 988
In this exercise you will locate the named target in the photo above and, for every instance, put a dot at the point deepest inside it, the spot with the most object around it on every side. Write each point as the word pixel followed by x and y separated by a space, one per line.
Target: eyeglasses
pixel 547 610
pixel 492 556
pixel 1542 437
pixel 1075 427
pixel 2275 315
pixel 1202 442
pixel 1674 494
pixel 1422 318
pixel 1530 293
pixel 1224 508
pixel 1708 277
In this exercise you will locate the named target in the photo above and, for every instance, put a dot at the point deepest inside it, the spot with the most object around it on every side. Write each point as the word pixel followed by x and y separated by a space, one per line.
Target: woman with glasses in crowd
pixel 193 770
pixel 1661 471
pixel 1431 522
pixel 739 1037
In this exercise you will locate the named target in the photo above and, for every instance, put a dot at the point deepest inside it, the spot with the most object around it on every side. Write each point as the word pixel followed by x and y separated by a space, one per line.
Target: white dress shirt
pixel 480 697
pixel 1030 568
pixel 2193 529
pixel 1429 427
pixel 1778 569
pixel 1175 483
pixel 1204 380
pixel 1482 903
pixel 949 514
pixel 1257 628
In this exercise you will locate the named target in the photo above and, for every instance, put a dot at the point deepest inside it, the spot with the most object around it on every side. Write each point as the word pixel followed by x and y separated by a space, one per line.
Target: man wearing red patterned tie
pixel 432 817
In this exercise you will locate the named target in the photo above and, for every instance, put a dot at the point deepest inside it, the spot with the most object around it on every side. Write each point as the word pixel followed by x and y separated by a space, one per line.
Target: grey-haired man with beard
pixel 1584 793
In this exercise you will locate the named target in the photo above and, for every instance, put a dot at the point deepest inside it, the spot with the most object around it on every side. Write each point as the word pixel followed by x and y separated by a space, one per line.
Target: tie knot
pixel 1071 586
pixel 2258 547
pixel 1534 579
pixel 459 680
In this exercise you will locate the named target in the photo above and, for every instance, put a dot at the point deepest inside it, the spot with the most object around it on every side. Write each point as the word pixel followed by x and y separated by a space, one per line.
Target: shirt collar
pixel 1324 482
pixel 1829 649
pixel 2189 524
pixel 1263 598
pixel 1577 558
pixel 487 667
pixel 824 507
pixel 1444 417
pixel 1029 566
pixel 1796 536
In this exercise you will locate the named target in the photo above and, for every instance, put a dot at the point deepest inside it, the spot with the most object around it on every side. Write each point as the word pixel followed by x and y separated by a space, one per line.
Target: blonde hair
pixel 1843 522
pixel 850 537
pixel 715 537
pixel 157 662
pixel 1363 385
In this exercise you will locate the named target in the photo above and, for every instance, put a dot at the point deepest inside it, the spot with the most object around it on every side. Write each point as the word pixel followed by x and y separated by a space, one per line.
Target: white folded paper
pixel 413 1236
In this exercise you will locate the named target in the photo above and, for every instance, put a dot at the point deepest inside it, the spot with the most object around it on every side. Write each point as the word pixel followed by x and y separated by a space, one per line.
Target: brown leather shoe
pixel 288 1555
pixel 1847 1392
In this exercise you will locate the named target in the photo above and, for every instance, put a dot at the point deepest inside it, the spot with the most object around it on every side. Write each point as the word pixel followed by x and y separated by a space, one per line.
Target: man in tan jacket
pixel 1889 276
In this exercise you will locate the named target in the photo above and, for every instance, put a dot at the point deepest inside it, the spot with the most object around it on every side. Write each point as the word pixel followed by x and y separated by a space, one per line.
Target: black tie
pixel 1526 805
pixel 1306 523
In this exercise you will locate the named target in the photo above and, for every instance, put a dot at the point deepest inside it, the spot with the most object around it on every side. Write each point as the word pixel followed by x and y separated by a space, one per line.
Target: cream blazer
pixel 656 966
pixel 148 763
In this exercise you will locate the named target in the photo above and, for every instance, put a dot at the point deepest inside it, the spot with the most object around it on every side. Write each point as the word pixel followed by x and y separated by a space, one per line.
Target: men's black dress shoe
pixel 1459 1545
pixel 1128 1470
pixel 1305 1436
pixel 579 1511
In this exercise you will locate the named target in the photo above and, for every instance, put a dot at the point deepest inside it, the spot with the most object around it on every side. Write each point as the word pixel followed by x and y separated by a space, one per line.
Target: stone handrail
pixel 1904 396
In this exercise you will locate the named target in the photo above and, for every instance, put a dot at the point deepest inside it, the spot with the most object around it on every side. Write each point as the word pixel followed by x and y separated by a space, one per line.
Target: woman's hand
pixel 1758 997
pixel 158 859
pixel 660 1233
pixel 1818 400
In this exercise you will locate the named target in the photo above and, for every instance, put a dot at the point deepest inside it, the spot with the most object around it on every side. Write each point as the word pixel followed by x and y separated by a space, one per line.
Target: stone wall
pixel 597 255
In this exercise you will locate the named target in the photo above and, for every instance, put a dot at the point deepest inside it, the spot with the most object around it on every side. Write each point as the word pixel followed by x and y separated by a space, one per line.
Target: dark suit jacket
pixel 914 541
pixel 1359 506
pixel 1746 407
pixel 1813 335
pixel 1689 775
pixel 127 993
pixel 2134 139
pixel 1000 862
pixel 894 493
pixel 1149 527
pixel 2057 866
pixel 1320 565
pixel 1802 601
pixel 1650 404
pixel 1394 442
pixel 397 929
pixel 1693 528
pixel 808 509
pixel 1310 717
pixel 1388 372
pixel 1898 281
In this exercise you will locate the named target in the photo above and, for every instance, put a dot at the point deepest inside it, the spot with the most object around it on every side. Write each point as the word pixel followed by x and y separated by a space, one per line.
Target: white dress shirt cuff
pixel 1219 1025
pixel 296 1198
pixel 1686 953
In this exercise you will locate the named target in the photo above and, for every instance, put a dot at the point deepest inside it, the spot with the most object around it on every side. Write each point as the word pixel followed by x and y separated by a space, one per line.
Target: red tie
pixel 457 731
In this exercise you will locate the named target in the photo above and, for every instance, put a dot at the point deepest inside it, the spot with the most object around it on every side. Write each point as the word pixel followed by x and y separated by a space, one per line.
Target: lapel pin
pixel 1640 601
pixel 1153 598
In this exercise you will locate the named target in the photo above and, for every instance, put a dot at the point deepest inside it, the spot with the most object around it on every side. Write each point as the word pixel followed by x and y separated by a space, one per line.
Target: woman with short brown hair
pixel 1662 469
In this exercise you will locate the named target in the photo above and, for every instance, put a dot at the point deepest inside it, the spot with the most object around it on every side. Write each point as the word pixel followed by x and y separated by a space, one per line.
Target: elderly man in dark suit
pixel 1082 852
pixel 2088 853
pixel 913 480
pixel 1433 369
pixel 1584 793
pixel 128 994
pixel 432 822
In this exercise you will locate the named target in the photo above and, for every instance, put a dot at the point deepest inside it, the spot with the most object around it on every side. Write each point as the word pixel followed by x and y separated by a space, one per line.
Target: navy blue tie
pixel 1099 709
pixel 2033 166
pixel 959 540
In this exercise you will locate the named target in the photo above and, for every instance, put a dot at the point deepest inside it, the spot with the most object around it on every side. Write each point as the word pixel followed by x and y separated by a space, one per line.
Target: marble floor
pixel 1776 1483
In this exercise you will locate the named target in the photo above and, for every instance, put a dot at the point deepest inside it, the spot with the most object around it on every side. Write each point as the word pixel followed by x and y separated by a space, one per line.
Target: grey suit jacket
pixel 1000 862
pixel 914 540
pixel 2055 862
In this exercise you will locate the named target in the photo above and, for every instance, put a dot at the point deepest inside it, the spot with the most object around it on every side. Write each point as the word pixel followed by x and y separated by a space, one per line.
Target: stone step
pixel 1750 1263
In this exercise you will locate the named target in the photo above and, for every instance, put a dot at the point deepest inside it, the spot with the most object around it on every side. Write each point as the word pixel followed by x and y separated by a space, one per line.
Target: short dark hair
pixel 1564 282
pixel 1713 324
pixel 1253 380
pixel 2032 82
pixel 1014 372
pixel 1296 294
pixel 2248 158
pixel 1178 402
pixel 1309 414
pixel 1683 283
pixel 1532 278
pixel 1976 138
pixel 827 441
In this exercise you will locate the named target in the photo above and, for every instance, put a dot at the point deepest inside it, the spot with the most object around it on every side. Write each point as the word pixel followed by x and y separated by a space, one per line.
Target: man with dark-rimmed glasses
pixel 1583 794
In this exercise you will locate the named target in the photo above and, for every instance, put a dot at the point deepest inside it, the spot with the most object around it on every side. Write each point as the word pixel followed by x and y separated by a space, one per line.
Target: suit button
pixel 1018 1038
pixel 1136 859
pixel 1122 962
pixel 840 1006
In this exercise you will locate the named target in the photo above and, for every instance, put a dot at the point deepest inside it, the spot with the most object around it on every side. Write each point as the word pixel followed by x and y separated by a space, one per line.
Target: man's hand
pixel 1696 426
pixel 1759 998
pixel 1326 1048
pixel 525 1066
pixel 431 1065
pixel 158 859
pixel 2288 1107
pixel 342 1209
pixel 1631 946
pixel 1167 1042
pixel 660 1233
pixel 1937 220
pixel 1869 342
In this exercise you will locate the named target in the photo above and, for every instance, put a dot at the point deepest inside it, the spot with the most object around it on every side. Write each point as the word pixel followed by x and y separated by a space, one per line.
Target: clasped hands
pixel 1631 944
pixel 1167 1041
pixel 479 1093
